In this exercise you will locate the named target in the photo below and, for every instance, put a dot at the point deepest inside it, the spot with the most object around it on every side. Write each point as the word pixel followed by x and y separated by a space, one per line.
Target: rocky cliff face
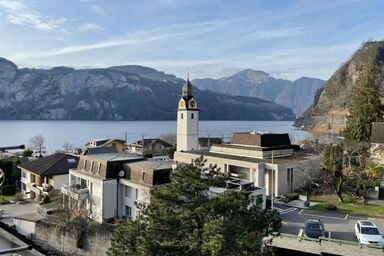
pixel 330 107
pixel 298 95
pixel 115 93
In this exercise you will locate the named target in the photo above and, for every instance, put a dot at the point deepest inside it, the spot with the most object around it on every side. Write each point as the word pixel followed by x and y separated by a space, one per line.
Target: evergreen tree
pixel 184 218
pixel 365 106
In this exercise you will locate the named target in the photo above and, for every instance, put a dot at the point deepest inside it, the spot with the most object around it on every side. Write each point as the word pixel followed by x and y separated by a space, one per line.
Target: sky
pixel 207 38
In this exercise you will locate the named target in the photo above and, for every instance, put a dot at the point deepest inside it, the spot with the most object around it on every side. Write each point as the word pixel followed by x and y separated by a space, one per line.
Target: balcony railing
pixel 75 191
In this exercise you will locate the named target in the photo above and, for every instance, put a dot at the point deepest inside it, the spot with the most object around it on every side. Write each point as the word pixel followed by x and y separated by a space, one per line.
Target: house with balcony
pixel 108 185
pixel 45 175
pixel 268 160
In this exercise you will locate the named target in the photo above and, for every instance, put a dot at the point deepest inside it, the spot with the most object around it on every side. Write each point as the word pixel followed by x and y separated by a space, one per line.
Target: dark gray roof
pixel 102 150
pixel 55 164
pixel 152 141
pixel 205 141
pixel 377 132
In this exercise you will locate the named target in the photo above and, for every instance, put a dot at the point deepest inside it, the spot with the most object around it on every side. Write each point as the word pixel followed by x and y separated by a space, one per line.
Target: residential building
pixel 268 160
pixel 150 147
pixel 119 144
pixel 43 175
pixel 108 185
pixel 206 142
pixel 377 153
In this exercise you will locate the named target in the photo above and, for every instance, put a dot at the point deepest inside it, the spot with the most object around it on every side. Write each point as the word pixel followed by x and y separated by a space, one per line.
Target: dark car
pixel 313 228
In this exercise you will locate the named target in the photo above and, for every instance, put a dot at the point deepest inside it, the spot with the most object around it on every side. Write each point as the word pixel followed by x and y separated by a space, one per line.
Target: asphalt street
pixel 340 225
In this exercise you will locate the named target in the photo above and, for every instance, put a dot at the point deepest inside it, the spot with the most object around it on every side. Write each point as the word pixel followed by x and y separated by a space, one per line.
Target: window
pixel 98 168
pixel 128 191
pixel 24 186
pixel 128 211
pixel 143 175
pixel 91 188
pixel 192 116
pixel 91 167
pixel 24 174
pixel 84 163
pixel 182 115
pixel 290 179
pixel 113 145
pixel 137 193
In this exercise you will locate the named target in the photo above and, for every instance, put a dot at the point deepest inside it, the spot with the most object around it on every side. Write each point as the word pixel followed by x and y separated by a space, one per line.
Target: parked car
pixel 367 232
pixel 313 228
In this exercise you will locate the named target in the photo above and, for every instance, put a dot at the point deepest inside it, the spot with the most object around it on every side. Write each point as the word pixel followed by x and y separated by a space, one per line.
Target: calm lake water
pixel 56 133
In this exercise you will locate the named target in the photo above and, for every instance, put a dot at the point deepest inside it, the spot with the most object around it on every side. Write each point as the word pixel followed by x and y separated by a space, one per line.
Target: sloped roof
pixel 152 141
pixel 55 164
pixel 205 141
pixel 377 132
pixel 102 150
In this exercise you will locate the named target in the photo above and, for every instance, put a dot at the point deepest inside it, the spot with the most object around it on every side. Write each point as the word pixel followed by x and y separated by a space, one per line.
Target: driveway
pixel 29 208
pixel 340 225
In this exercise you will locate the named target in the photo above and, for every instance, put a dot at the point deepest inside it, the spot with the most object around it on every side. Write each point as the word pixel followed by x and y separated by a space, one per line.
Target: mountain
pixel 330 108
pixel 297 95
pixel 115 93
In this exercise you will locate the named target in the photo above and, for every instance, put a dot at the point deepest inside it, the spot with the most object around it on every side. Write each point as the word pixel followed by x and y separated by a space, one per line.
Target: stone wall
pixel 96 241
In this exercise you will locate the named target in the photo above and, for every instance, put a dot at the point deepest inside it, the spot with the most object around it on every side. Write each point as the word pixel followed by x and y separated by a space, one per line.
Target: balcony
pixel 75 191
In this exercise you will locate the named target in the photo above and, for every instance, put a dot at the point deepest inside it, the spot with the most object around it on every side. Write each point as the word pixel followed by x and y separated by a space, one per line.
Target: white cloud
pixel 18 13
pixel 274 33
pixel 85 27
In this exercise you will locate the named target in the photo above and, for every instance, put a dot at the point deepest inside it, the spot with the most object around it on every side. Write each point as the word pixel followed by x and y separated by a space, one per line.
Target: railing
pixel 75 192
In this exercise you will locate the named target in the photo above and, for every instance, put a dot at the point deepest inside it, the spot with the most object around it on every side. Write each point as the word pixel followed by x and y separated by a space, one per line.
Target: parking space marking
pixel 322 216
pixel 301 211
pixel 346 216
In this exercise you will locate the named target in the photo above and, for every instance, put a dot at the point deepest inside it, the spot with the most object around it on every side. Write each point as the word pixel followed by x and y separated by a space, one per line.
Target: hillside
pixel 330 107
pixel 297 95
pixel 115 93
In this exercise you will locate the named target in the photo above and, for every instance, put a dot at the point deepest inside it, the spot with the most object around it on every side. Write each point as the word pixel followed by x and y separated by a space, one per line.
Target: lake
pixel 56 133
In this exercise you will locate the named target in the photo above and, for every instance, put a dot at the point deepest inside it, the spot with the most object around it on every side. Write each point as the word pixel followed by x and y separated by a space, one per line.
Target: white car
pixel 367 233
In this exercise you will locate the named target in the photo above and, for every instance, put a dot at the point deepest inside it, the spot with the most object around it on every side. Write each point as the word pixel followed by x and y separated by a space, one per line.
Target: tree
pixel 37 143
pixel 365 106
pixel 26 153
pixel 332 165
pixel 68 147
pixel 184 218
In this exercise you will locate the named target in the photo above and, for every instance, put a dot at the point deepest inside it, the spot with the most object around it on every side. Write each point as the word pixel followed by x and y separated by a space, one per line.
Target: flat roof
pixel 115 157
pixel 277 160
pixel 151 164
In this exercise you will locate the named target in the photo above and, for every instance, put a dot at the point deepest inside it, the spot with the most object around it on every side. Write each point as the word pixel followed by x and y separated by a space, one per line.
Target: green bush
pixel 8 190
pixel 26 153
pixel 292 196
pixel 331 207
pixel 46 200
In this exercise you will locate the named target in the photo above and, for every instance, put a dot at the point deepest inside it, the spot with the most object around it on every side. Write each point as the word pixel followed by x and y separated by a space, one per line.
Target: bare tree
pixel 68 147
pixel 37 143
pixel 170 138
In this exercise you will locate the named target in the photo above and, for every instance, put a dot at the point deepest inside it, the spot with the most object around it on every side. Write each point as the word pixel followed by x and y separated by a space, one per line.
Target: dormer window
pixel 98 168
pixel 91 167
pixel 84 163
pixel 143 176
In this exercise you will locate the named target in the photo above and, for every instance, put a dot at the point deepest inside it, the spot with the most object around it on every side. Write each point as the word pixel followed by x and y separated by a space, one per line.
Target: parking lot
pixel 340 225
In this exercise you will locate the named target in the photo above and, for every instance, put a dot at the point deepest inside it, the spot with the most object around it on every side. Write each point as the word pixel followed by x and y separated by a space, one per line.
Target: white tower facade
pixel 187 121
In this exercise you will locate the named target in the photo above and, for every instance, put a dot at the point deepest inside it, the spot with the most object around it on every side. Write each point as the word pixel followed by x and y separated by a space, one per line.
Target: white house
pixel 108 185
pixel 43 175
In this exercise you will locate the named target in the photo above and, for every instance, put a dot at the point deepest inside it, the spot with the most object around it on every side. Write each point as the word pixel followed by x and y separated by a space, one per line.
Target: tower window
pixel 192 116
pixel 181 115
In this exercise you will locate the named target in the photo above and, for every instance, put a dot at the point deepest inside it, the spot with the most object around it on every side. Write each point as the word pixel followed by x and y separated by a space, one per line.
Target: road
pixel 340 225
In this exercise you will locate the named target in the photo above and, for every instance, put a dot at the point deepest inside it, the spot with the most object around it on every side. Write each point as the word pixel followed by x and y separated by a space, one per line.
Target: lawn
pixel 350 206
pixel 5 199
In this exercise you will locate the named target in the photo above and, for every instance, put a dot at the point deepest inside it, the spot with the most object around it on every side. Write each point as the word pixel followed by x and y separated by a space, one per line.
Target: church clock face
pixel 182 104
pixel 192 103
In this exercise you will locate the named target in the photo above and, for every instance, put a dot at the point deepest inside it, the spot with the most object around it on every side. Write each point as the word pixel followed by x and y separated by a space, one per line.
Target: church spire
pixel 187 88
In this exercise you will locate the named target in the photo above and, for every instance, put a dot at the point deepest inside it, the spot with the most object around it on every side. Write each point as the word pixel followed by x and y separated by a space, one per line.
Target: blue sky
pixel 210 38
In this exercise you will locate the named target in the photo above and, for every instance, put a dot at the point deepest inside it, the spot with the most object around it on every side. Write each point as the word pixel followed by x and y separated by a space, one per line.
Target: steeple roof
pixel 187 89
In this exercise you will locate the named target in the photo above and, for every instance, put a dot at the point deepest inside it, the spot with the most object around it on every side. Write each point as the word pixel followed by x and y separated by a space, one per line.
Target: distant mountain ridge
pixel 115 93
pixel 330 108
pixel 298 95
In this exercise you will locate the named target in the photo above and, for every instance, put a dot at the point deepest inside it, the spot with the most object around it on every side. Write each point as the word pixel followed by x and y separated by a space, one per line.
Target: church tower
pixel 187 120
